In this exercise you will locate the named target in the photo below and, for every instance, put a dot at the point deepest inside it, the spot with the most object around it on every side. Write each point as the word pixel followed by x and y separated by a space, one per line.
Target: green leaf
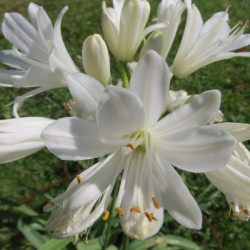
pixel 35 238
pixel 181 242
pixel 54 244
pixel 26 210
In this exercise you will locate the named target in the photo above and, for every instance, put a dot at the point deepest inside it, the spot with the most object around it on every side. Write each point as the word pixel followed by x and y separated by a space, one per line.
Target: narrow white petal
pixel 150 81
pixel 199 111
pixel 74 139
pixel 197 149
pixel 93 183
pixel 241 131
pixel 175 196
pixel 86 92
pixel 120 111
pixel 21 137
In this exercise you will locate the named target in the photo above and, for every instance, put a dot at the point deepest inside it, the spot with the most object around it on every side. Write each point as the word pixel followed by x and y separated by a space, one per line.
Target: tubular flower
pixel 95 58
pixel 123 27
pixel 39 56
pixel 234 178
pixel 145 148
pixel 21 137
pixel 170 11
pixel 206 43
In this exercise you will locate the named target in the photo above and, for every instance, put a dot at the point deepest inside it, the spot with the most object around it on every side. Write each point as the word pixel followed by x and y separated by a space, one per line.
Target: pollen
pixel 106 215
pixel 155 202
pixel 131 145
pixel 79 179
pixel 135 209
pixel 120 211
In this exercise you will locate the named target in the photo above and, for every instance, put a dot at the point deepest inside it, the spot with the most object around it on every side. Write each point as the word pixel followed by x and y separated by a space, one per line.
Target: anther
pixel 86 242
pixel 240 23
pixel 155 202
pixel 79 179
pixel 246 212
pixel 106 215
pixel 131 145
pixel 135 209
pixel 229 6
pixel 120 211
pixel 149 216
pixel 153 218
pixel 234 215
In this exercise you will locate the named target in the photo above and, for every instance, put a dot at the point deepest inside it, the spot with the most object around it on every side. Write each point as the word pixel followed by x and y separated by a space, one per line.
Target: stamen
pixel 149 216
pixel 120 211
pixel 153 218
pixel 79 179
pixel 234 215
pixel 229 6
pixel 75 238
pixel 106 215
pixel 240 23
pixel 131 145
pixel 155 202
pixel 51 203
pixel 86 242
pixel 135 209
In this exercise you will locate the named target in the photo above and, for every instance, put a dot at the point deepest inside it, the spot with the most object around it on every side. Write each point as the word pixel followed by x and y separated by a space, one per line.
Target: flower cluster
pixel 142 130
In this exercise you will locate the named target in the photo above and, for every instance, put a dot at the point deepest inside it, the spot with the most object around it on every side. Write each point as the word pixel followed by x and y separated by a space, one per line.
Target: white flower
pixel 206 43
pixel 123 27
pixel 95 58
pixel 21 137
pixel 143 147
pixel 234 178
pixel 39 55
pixel 170 11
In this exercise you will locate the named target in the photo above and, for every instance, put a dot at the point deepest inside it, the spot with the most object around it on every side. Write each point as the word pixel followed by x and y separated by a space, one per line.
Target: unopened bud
pixel 95 58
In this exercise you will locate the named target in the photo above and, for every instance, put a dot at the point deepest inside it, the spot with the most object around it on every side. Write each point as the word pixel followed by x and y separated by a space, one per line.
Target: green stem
pixel 124 76
pixel 125 243
pixel 112 208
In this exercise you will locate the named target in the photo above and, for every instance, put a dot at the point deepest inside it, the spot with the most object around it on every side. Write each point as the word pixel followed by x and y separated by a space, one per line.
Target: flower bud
pixel 95 58
pixel 154 42
pixel 124 30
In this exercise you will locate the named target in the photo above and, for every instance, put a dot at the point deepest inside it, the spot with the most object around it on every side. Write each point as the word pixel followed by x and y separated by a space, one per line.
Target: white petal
pixel 95 181
pixel 21 137
pixel 197 149
pixel 175 196
pixel 199 111
pixel 150 81
pixel 86 92
pixel 74 139
pixel 120 111
pixel 241 131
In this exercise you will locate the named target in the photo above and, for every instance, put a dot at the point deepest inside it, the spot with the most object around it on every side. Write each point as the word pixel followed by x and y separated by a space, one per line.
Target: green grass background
pixel 27 184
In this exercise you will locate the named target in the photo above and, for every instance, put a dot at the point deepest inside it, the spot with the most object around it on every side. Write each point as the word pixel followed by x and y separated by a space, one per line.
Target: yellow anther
pixel 229 5
pixel 240 23
pixel 135 209
pixel 51 203
pixel 79 179
pixel 153 218
pixel 120 211
pixel 106 215
pixel 131 145
pixel 86 242
pixel 149 216
pixel 155 202
pixel 234 215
